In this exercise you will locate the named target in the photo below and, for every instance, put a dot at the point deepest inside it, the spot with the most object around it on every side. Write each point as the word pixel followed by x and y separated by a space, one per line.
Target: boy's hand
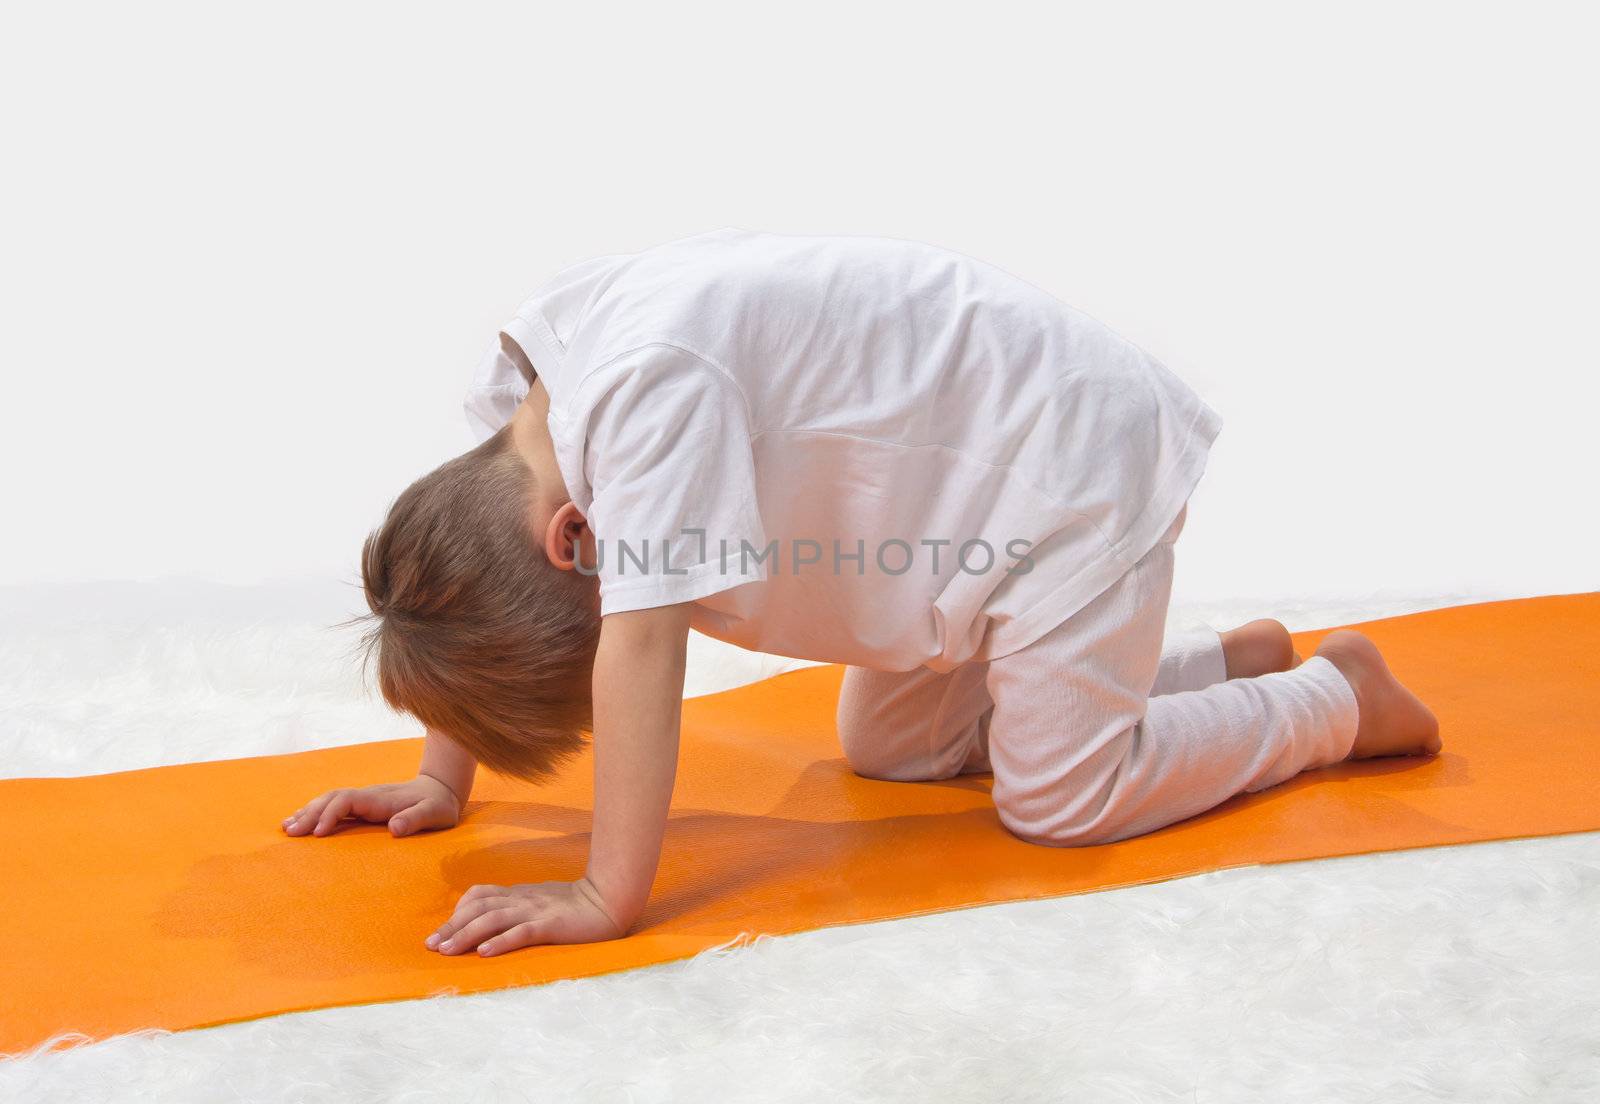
pixel 407 807
pixel 494 919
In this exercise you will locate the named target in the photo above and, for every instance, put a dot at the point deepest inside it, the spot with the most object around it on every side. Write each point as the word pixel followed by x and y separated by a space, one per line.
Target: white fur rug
pixel 1465 973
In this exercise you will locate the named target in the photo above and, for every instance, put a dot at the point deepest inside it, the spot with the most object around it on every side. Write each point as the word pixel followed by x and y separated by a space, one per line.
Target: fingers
pixel 429 812
pixel 526 934
pixel 337 808
pixel 305 818
pixel 321 816
pixel 495 919
pixel 473 904
pixel 492 932
pixel 408 820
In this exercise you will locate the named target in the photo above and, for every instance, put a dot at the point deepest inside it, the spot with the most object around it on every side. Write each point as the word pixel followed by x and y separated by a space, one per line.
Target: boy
pixel 857 450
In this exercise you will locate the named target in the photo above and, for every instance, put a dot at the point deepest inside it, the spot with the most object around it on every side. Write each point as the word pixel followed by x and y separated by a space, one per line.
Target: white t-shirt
pixel 858 450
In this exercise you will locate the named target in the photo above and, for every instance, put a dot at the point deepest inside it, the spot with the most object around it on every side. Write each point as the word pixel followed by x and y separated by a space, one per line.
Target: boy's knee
pixel 1063 827
pixel 897 754
pixel 871 751
pixel 879 760
pixel 1059 835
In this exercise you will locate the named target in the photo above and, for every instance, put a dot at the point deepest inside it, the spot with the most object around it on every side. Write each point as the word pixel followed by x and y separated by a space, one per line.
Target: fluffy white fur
pixel 1444 974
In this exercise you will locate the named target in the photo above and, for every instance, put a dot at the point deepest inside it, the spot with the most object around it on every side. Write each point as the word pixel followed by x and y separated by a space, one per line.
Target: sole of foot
pixel 1391 720
pixel 1258 648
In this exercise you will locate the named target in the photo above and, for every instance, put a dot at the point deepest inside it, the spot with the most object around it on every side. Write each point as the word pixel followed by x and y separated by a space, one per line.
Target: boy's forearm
pixel 447 762
pixel 638 700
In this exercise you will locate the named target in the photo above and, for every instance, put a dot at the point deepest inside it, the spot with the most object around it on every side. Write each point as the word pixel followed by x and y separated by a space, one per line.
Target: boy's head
pixel 477 633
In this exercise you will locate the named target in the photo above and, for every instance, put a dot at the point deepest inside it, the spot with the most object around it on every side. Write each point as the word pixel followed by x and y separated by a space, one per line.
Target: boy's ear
pixel 564 538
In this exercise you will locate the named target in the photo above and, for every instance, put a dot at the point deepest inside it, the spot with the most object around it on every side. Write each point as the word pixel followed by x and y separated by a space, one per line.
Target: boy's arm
pixel 447 763
pixel 638 701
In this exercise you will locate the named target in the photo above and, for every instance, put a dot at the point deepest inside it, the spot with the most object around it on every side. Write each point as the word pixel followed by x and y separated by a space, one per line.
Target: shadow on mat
pixel 359 900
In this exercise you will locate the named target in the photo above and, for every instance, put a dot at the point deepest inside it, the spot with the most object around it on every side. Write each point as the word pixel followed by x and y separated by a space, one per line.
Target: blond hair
pixel 475 632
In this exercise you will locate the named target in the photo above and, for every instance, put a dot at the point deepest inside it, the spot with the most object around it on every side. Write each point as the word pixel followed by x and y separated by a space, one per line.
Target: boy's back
pixel 926 459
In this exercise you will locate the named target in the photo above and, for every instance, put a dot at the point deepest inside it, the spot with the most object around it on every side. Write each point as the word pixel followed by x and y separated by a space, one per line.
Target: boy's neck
pixel 530 437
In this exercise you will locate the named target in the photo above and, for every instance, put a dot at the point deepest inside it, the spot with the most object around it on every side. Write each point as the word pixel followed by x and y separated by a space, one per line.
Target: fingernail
pixel 446 946
pixel 485 951
pixel 431 942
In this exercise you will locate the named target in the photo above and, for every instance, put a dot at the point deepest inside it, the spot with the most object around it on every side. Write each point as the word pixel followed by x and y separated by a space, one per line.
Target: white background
pixel 249 259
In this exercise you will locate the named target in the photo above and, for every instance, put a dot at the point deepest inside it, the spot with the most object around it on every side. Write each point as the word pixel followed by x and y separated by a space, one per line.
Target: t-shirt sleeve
pixel 498 387
pixel 668 460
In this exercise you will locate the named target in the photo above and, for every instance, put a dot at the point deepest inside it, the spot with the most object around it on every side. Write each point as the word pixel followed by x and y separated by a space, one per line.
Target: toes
pixel 1432 743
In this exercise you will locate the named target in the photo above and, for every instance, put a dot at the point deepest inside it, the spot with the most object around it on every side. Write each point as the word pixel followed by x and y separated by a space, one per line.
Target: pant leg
pixel 915 726
pixel 1191 659
pixel 1083 754
pixel 910 726
pixel 920 725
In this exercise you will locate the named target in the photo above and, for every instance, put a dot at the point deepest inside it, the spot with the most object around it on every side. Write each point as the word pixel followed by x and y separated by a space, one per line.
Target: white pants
pixel 1100 730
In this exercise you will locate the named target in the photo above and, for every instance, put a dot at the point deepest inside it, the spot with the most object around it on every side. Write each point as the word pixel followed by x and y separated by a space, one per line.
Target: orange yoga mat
pixel 169 898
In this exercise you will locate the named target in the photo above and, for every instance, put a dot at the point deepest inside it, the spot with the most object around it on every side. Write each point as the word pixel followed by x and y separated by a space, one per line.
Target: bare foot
pixel 1259 648
pixel 1391 720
